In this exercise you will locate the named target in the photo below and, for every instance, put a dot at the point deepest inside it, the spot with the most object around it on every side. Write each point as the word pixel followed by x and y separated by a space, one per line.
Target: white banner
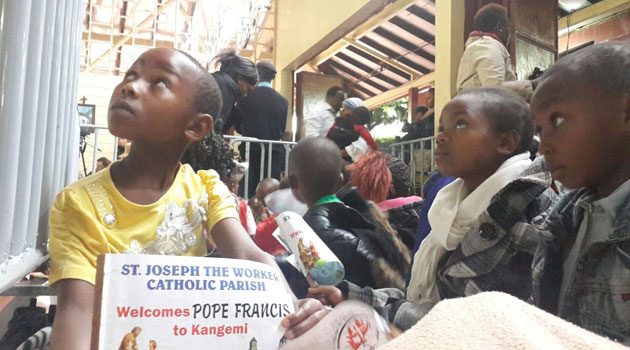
pixel 171 302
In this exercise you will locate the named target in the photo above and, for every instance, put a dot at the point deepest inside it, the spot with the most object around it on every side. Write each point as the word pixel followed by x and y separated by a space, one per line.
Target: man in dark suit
pixel 264 116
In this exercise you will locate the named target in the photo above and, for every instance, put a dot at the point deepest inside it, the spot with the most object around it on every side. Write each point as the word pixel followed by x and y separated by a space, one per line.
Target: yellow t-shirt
pixel 90 217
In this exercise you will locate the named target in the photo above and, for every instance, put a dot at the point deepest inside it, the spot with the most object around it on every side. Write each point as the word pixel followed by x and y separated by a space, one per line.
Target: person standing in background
pixel 264 116
pixel 486 60
pixel 319 122
pixel 236 77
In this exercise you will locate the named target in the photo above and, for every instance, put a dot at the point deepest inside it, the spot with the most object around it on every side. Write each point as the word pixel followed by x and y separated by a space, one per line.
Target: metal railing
pixel 94 130
pixel 418 156
pixel 266 155
pixel 266 151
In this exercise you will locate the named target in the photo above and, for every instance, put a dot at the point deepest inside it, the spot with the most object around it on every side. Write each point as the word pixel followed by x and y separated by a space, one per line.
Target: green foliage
pixel 389 113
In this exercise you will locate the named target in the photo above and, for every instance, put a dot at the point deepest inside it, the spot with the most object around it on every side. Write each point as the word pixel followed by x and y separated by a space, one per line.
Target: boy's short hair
pixel 603 67
pixel 489 16
pixel 333 91
pixel 207 97
pixel 361 115
pixel 104 160
pixel 316 162
pixel 505 111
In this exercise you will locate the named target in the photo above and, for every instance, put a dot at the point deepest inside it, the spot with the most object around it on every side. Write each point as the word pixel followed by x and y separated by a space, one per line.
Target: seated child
pixel 314 175
pixel 385 181
pixel 349 132
pixel 164 103
pixel 245 213
pixel 265 220
pixel 581 269
pixel 483 233
pixel 257 203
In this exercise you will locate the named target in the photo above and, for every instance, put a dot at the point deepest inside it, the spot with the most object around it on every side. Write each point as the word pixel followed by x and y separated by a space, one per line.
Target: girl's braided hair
pixel 213 152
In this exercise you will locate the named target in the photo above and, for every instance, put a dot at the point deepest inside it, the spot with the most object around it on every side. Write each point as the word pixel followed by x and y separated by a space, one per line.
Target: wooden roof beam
pixel 361 46
pixel 403 90
pixel 389 12
pixel 128 37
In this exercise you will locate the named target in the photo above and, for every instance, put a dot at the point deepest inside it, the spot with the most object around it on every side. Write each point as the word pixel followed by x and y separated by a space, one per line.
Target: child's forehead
pixel 554 91
pixel 166 59
pixel 464 104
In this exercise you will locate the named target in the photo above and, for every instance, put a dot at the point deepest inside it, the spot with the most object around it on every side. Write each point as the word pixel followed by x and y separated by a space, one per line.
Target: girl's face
pixel 155 99
pixel 467 147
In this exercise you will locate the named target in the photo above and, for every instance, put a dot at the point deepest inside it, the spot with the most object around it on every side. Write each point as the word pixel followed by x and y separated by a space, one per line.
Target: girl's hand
pixel 308 314
pixel 327 295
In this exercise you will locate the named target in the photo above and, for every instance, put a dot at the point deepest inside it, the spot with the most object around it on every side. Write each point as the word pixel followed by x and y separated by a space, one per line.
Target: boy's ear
pixel 508 142
pixel 199 126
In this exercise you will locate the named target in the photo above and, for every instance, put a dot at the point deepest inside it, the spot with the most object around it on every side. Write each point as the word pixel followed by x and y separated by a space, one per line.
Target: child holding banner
pixel 148 202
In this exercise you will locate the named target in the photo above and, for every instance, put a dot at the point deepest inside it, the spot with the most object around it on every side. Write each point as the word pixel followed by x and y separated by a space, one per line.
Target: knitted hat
pixel 354 102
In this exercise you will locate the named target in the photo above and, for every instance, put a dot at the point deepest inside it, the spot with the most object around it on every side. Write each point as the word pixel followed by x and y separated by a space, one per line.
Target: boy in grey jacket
pixel 581 270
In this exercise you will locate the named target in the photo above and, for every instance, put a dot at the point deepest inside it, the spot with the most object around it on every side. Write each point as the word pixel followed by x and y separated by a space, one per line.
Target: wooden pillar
pixel 412 103
pixel 449 46
pixel 284 86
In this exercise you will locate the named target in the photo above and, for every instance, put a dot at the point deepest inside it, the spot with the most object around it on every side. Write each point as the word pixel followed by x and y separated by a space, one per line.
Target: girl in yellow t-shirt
pixel 148 202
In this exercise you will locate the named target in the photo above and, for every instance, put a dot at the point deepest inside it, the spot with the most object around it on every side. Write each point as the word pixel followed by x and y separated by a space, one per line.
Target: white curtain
pixel 39 65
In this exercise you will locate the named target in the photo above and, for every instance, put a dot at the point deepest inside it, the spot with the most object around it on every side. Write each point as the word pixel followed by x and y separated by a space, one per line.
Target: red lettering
pixel 296 233
pixel 122 311
pixel 126 311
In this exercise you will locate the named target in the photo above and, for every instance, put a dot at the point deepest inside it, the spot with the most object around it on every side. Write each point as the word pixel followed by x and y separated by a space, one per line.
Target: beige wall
pixel 449 46
pixel 303 23
pixel 97 88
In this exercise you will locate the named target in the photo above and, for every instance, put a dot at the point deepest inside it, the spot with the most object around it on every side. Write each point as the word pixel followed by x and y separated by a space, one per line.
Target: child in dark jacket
pixel 314 175
pixel 385 181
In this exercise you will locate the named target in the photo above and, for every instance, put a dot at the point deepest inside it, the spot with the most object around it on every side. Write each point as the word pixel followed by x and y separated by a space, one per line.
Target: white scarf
pixel 451 215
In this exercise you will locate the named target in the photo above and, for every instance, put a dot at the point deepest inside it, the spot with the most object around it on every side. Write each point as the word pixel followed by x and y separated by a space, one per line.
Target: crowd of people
pixel 546 226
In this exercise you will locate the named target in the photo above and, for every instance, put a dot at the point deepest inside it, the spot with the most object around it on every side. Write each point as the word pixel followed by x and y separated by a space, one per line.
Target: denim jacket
pixel 598 298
